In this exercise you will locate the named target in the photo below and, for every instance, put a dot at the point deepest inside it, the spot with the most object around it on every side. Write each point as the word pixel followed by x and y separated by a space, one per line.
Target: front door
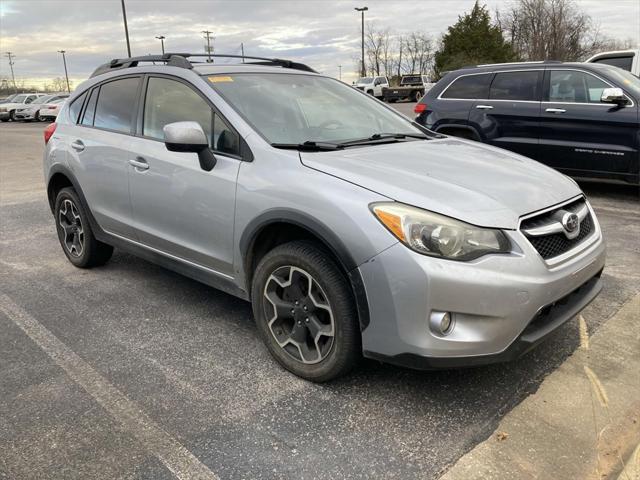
pixel 510 117
pixel 179 208
pixel 580 135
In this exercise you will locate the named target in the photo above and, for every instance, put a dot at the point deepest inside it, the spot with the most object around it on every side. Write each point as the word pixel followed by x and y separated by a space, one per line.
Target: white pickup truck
pixel 372 85
pixel 626 59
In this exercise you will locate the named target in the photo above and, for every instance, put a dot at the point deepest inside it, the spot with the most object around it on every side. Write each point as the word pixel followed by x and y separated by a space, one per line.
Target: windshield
pixel 42 99
pixel 365 80
pixel 293 108
pixel 8 99
pixel 629 81
pixel 18 99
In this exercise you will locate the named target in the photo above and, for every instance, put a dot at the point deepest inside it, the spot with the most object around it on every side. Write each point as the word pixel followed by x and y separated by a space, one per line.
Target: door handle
pixel 484 107
pixel 78 146
pixel 139 163
pixel 555 110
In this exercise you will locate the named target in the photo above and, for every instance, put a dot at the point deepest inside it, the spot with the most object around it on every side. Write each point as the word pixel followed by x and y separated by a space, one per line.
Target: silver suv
pixel 352 230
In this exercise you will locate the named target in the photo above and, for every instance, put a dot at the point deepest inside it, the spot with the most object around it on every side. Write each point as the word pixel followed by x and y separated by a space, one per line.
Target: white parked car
pixel 49 111
pixel 8 109
pixel 628 60
pixel 32 111
pixel 372 85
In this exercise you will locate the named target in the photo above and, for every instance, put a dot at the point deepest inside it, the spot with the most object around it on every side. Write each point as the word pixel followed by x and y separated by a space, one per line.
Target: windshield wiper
pixel 384 137
pixel 309 146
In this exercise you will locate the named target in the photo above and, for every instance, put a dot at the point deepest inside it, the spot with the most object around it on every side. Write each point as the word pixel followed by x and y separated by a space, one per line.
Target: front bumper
pixel 25 115
pixel 502 305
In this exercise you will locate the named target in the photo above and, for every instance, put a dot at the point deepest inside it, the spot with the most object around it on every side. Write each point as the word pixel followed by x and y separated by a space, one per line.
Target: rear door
pixel 451 108
pixel 99 149
pixel 580 135
pixel 510 117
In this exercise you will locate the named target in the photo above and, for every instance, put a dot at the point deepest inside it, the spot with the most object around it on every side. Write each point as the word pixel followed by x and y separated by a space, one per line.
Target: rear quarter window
pixel 76 107
pixel 469 87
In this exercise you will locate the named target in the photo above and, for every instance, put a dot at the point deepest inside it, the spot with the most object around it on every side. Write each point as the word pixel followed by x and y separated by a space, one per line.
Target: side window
pixel 116 102
pixel 169 101
pixel 90 111
pixel 515 86
pixel 574 87
pixel 75 107
pixel 30 99
pixel 470 87
pixel 624 63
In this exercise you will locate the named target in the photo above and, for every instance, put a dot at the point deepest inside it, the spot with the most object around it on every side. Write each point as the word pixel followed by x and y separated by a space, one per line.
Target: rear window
pixel 76 106
pixel 410 80
pixel 624 63
pixel 515 86
pixel 116 102
pixel 469 87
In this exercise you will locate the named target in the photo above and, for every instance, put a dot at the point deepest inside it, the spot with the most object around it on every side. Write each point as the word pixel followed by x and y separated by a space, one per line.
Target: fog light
pixel 441 323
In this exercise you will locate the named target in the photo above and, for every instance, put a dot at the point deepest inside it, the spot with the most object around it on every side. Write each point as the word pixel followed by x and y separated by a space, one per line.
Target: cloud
pixel 323 33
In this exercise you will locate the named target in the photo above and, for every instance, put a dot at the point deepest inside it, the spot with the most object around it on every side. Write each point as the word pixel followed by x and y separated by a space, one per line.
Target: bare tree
pixel 374 42
pixel 550 30
pixel 419 53
pixel 58 84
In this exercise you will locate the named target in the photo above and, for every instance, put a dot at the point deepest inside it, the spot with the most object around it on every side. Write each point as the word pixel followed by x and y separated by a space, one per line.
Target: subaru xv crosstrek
pixel 352 230
pixel 579 118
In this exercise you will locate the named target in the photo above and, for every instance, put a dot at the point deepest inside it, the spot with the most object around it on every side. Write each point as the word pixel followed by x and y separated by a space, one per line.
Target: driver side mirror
pixel 613 95
pixel 189 137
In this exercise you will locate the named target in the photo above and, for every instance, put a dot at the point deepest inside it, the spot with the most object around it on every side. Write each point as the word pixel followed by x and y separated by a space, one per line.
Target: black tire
pixel 12 115
pixel 76 238
pixel 416 96
pixel 37 117
pixel 393 100
pixel 370 92
pixel 3 120
pixel 333 289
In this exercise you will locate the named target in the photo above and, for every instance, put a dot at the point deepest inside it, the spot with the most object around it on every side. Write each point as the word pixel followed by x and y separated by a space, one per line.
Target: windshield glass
pixel 365 80
pixel 293 109
pixel 8 99
pixel 42 99
pixel 19 99
pixel 629 81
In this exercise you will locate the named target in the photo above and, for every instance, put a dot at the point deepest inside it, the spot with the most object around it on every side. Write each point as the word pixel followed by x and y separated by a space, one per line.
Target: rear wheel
pixel 416 96
pixel 12 115
pixel 305 313
pixel 75 234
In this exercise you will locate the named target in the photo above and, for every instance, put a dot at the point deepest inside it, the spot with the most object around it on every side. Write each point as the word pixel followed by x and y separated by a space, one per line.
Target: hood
pixel 478 184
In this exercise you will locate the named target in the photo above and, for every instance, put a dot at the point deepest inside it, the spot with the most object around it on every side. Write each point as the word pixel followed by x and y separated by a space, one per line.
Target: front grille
pixel 555 244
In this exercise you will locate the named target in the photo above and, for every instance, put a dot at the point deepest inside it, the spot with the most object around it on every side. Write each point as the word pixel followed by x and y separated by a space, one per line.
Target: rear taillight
pixel 49 131
pixel 419 108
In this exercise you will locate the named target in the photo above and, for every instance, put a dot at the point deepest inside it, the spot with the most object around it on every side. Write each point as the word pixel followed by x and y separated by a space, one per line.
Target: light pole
pixel 66 74
pixel 362 10
pixel 126 28
pixel 208 37
pixel 13 77
pixel 161 38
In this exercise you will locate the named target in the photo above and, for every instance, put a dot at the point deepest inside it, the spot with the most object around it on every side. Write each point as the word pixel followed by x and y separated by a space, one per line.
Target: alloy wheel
pixel 299 314
pixel 71 222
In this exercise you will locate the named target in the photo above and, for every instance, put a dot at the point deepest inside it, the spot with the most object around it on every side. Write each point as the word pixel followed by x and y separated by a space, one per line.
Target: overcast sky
pixel 322 33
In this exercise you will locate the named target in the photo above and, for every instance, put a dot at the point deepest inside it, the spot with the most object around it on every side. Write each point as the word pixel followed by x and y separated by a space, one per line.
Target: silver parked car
pixel 40 105
pixel 352 230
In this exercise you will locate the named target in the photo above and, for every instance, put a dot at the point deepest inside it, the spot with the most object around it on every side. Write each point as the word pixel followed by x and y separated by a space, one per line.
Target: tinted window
pixel 575 87
pixel 620 62
pixel 76 106
pixel 30 98
pixel 90 111
pixel 168 101
pixel 469 87
pixel 116 102
pixel 515 86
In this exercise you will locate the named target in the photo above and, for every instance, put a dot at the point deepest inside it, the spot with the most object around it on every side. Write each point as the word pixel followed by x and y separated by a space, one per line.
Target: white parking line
pixel 180 461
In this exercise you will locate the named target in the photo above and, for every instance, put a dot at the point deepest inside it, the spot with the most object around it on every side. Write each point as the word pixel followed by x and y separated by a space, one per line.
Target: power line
pixel 11 62
pixel 208 37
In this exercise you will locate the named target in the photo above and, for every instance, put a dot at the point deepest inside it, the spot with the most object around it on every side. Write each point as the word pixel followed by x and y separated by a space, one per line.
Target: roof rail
pixel 181 60
pixel 515 63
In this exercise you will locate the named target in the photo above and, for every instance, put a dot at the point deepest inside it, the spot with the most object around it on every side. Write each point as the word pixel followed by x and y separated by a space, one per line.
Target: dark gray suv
pixel 579 118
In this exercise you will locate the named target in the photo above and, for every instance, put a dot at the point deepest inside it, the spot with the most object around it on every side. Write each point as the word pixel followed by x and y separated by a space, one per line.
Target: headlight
pixel 439 236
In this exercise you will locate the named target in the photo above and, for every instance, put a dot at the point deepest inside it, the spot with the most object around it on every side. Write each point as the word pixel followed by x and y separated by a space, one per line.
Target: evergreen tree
pixel 472 40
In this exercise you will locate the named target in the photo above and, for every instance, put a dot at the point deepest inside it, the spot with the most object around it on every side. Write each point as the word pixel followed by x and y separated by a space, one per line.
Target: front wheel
pixel 74 232
pixel 12 115
pixel 305 311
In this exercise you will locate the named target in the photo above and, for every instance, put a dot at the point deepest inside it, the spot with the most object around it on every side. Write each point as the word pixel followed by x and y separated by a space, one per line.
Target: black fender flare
pixel 317 229
pixel 469 128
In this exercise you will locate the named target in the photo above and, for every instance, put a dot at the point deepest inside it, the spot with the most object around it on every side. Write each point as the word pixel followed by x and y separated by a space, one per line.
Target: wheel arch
pixel 279 226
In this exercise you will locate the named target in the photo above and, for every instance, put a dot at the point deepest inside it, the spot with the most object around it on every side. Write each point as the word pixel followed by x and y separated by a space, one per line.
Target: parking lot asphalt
pixel 132 371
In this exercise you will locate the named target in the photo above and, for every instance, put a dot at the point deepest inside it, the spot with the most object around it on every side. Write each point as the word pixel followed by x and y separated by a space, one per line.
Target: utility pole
pixel 11 62
pixel 161 38
pixel 66 74
pixel 242 50
pixel 126 28
pixel 340 70
pixel 362 10
pixel 208 37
